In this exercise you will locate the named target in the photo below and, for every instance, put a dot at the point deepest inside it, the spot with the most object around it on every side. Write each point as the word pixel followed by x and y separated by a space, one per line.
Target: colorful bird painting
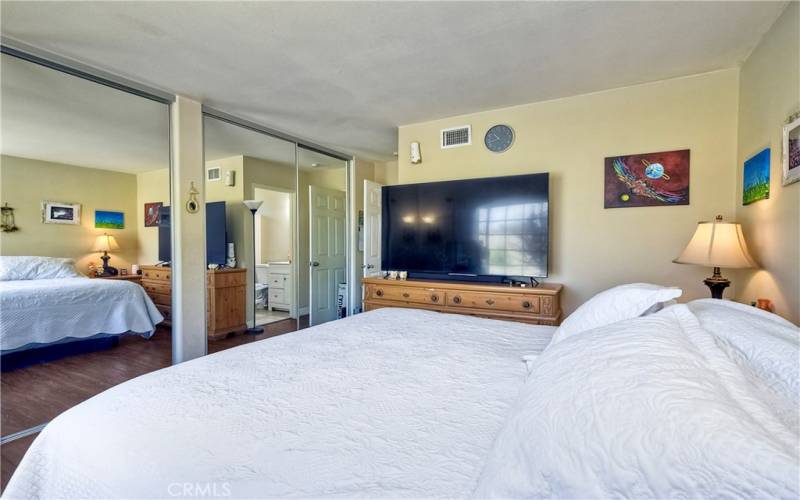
pixel 651 179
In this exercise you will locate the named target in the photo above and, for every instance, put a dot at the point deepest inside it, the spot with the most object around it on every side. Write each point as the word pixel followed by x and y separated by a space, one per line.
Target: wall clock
pixel 499 138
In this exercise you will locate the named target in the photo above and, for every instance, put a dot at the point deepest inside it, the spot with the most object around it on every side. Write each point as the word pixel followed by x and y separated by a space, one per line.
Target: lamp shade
pixel 105 243
pixel 252 205
pixel 717 244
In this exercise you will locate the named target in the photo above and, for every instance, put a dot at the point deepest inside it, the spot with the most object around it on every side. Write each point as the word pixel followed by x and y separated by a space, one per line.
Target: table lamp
pixel 717 244
pixel 105 243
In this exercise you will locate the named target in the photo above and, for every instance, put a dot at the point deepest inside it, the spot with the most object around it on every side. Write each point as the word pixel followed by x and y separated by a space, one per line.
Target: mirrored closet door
pixel 251 235
pixel 84 177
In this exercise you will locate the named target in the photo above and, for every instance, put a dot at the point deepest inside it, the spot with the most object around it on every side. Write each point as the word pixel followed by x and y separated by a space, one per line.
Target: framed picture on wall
pixel 791 151
pixel 55 212
pixel 755 179
pixel 106 219
pixel 151 211
pixel 647 180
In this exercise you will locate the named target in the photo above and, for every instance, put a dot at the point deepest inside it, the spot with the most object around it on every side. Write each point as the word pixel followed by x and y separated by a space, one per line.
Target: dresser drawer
pixel 157 274
pixel 227 279
pixel 415 295
pixel 277 296
pixel 277 281
pixel 494 301
pixel 151 286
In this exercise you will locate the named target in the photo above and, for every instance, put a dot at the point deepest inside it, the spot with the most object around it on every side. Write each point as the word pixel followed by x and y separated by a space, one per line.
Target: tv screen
pixel 493 227
pixel 216 241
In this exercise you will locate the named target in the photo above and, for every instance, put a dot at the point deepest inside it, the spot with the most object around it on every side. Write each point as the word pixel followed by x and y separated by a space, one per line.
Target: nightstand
pixel 136 278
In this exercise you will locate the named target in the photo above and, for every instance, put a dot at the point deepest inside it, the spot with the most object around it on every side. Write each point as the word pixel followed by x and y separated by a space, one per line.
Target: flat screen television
pixel 476 229
pixel 216 240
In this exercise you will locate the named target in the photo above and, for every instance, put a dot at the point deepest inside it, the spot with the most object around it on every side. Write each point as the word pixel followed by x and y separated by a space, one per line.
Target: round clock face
pixel 499 138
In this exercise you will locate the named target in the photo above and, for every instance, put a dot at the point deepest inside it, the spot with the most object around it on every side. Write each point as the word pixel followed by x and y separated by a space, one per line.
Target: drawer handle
pixel 379 293
pixel 456 299
pixel 434 298
pixel 489 301
pixel 526 304
pixel 405 294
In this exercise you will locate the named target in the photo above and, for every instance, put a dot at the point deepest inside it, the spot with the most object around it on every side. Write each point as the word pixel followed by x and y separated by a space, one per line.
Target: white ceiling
pixel 347 74
pixel 52 116
pixel 48 115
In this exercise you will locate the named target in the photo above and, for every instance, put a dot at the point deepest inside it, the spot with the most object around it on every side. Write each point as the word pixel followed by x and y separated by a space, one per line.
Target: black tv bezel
pixel 467 277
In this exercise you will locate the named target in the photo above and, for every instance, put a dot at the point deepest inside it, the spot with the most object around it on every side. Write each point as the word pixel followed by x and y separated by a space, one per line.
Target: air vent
pixel 456 136
pixel 213 174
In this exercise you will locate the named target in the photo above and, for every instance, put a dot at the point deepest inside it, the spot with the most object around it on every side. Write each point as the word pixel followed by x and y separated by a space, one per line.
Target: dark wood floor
pixel 35 395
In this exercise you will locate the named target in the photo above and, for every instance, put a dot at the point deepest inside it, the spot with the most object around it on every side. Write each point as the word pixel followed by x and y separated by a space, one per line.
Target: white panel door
pixel 328 254
pixel 372 228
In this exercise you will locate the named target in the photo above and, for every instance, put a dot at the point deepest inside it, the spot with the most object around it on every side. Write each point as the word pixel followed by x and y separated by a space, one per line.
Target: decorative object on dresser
pixel 537 305
pixel 281 293
pixel 253 206
pixel 717 244
pixel 106 243
pixel 226 297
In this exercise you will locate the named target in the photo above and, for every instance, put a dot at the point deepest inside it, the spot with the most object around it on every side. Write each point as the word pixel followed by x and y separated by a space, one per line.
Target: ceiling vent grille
pixel 213 174
pixel 456 136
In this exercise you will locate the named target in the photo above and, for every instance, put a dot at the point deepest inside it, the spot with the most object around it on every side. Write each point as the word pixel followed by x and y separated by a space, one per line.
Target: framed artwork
pixel 755 179
pixel 647 180
pixel 151 211
pixel 791 151
pixel 54 212
pixel 109 220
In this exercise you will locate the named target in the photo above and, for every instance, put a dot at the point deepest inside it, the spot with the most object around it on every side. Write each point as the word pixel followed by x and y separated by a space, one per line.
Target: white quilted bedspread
pixel 696 401
pixel 391 403
pixel 48 310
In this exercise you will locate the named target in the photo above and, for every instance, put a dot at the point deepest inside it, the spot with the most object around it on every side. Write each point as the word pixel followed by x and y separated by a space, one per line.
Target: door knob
pixel 315 264
pixel 370 266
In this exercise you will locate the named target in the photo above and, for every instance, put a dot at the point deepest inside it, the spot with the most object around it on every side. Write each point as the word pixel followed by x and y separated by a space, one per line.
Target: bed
pixel 45 302
pixel 688 401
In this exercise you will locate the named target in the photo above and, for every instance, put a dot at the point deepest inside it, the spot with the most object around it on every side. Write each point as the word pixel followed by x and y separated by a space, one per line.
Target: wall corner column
pixel 189 338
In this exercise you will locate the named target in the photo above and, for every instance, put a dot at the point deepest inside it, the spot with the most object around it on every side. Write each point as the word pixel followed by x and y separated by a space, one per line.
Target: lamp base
pixel 254 331
pixel 717 284
pixel 108 270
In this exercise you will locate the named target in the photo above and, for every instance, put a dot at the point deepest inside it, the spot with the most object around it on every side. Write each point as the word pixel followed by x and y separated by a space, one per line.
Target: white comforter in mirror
pixel 43 311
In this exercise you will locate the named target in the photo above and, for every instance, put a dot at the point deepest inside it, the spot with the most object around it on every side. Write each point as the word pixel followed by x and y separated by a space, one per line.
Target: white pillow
pixel 36 268
pixel 615 304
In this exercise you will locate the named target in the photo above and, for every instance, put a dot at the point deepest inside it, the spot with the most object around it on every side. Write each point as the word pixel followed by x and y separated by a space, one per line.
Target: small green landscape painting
pixel 756 178
pixel 109 220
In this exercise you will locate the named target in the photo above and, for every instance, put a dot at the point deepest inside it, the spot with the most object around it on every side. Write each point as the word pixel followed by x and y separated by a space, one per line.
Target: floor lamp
pixel 253 206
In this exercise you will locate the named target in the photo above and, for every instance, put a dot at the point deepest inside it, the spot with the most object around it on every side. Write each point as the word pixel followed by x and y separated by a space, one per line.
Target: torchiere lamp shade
pixel 717 244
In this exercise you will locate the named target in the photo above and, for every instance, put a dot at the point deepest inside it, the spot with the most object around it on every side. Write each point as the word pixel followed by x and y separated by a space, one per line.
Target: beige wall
pixel 274 226
pixel 151 187
pixel 26 183
pixel 593 248
pixel 769 92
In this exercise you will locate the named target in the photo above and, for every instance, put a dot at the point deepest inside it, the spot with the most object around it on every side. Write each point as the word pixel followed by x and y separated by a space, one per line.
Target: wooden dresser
pixel 536 305
pixel 227 290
